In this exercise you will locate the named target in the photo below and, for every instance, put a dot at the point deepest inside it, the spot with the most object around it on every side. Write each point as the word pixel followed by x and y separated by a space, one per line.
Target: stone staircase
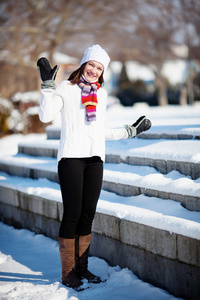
pixel 156 254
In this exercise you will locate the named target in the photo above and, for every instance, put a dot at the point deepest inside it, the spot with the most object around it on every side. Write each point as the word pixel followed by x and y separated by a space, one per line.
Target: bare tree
pixel 138 30
pixel 190 34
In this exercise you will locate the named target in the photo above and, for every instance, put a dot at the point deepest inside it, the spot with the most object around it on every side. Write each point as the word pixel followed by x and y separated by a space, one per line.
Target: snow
pixel 168 215
pixel 148 177
pixel 30 269
pixel 137 71
pixel 29 264
pixel 172 117
pixel 177 70
pixel 159 149
pixel 174 70
pixel 33 96
pixel 32 110
pixel 15 121
pixel 9 144
pixel 5 105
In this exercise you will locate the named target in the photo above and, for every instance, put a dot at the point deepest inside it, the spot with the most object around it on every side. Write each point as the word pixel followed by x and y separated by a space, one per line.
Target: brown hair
pixel 75 76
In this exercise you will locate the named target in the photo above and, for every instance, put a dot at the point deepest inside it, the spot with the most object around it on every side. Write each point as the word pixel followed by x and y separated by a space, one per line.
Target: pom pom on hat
pixel 98 54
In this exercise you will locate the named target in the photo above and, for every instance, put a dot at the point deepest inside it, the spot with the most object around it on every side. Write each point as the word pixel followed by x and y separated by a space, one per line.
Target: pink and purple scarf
pixel 89 98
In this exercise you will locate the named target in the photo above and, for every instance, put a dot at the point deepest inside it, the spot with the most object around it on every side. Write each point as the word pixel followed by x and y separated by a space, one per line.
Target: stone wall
pixel 169 261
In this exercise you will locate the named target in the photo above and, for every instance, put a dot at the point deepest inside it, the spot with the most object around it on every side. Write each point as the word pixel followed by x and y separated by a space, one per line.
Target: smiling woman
pixel 94 58
pixel 81 100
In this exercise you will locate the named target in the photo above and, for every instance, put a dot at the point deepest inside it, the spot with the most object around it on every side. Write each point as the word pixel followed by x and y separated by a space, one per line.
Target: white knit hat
pixel 98 54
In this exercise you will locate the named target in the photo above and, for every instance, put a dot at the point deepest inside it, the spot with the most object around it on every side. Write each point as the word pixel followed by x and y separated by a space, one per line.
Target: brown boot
pixel 67 253
pixel 82 245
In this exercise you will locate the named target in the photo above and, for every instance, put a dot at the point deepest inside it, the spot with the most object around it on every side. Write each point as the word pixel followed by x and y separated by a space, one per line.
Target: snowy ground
pixel 30 269
pixel 29 264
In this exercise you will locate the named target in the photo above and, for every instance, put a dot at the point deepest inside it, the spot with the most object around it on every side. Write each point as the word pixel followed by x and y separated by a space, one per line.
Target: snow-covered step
pixel 164 155
pixel 129 180
pixel 53 132
pixel 174 122
pixel 165 215
pixel 171 136
pixel 151 211
pixel 29 166
pixel 44 147
pixel 123 179
pixel 162 233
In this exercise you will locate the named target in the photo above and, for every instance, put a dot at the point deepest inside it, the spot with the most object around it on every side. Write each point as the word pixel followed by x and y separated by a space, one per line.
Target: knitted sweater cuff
pixel 48 84
pixel 131 131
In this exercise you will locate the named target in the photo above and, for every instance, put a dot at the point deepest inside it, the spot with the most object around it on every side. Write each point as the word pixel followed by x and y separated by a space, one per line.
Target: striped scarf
pixel 89 98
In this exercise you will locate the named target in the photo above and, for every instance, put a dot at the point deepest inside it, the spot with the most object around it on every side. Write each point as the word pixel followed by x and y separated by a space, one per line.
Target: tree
pixel 190 34
pixel 139 30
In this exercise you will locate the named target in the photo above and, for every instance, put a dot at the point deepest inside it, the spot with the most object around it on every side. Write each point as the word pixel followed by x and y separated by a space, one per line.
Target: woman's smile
pixel 92 71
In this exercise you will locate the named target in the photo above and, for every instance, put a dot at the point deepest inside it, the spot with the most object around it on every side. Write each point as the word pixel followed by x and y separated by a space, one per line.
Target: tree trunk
pixel 162 95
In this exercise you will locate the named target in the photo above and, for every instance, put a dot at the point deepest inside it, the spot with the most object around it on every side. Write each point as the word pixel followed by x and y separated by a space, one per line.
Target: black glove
pixel 45 70
pixel 142 124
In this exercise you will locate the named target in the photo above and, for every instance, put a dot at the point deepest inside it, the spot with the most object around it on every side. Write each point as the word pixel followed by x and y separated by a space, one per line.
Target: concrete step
pixel 47 148
pixel 130 180
pixel 53 132
pixel 139 210
pixel 122 179
pixel 166 243
pixel 164 155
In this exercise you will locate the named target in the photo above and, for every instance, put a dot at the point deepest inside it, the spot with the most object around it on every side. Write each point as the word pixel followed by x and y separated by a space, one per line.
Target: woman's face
pixel 92 70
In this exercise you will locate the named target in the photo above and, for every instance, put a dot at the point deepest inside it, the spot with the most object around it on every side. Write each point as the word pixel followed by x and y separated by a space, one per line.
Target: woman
pixel 82 104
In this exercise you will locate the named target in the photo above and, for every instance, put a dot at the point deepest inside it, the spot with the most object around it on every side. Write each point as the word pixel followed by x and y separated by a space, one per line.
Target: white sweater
pixel 79 138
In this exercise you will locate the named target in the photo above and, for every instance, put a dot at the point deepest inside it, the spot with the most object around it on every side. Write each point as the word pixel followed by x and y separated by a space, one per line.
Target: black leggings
pixel 80 183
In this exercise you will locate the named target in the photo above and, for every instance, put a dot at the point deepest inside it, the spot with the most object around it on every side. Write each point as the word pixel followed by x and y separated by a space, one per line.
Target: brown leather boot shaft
pixel 82 251
pixel 82 245
pixel 67 257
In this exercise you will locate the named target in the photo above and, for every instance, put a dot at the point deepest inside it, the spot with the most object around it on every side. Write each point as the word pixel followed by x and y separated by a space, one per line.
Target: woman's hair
pixel 76 75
